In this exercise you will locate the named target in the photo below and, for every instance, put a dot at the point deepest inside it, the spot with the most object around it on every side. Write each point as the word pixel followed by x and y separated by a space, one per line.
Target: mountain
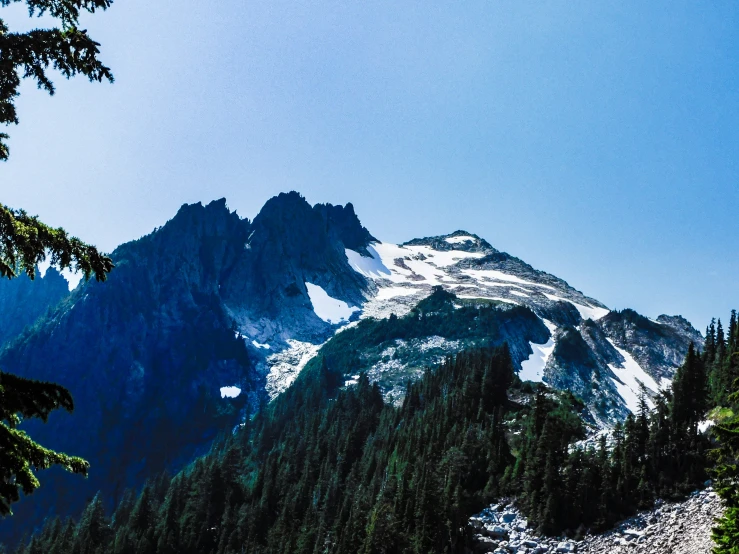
pixel 603 356
pixel 23 301
pixel 211 315
pixel 163 356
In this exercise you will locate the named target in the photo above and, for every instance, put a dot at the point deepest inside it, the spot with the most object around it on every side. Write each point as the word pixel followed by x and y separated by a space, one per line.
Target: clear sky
pixel 595 140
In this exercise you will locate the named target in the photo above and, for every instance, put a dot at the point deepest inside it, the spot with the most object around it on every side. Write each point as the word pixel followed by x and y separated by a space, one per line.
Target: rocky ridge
pixel 603 356
pixel 669 528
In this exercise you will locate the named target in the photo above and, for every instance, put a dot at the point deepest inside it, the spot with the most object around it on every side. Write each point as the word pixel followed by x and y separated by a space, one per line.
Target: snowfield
pixel 586 312
pixel 533 368
pixel 330 310
pixel 404 275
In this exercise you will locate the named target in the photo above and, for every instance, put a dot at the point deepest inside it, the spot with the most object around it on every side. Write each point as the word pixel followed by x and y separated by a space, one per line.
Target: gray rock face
pixel 669 528
pixel 288 244
pixel 656 345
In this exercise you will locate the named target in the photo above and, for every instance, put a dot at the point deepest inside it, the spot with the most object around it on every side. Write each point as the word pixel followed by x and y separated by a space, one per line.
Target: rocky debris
pixel 669 528
pixel 674 528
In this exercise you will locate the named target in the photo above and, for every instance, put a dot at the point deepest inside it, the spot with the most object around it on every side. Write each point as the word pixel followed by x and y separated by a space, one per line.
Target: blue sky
pixel 596 140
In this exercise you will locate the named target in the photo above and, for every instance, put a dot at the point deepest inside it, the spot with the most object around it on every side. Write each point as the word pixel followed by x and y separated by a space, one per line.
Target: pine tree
pixel 726 455
pixel 726 474
pixel 92 530
pixel 720 343
pixel 709 346
pixel 690 395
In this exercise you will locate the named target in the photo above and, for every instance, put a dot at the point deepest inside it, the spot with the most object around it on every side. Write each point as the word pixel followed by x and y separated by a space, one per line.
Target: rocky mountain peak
pixel 343 221
pixel 458 240
pixel 684 327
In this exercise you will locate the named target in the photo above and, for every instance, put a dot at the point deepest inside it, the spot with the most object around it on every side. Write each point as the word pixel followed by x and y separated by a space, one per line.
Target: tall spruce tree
pixel 690 395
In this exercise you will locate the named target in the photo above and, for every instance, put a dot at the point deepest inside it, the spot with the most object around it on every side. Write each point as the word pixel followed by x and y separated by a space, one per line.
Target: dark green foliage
pixel 690 394
pixel 321 470
pixel 720 354
pixel 19 454
pixel 725 369
pixel 67 49
pixel 25 242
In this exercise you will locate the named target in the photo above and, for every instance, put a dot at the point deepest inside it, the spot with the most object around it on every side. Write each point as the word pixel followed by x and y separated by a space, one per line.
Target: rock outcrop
pixel 670 528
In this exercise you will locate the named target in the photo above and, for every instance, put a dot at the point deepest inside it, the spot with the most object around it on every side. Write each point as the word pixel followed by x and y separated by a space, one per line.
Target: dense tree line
pixel 335 470
pixel 722 356
pixel 656 453
pixel 322 472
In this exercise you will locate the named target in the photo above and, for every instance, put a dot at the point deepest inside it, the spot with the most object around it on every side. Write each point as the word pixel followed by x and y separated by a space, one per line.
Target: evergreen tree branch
pixel 25 242
pixel 19 457
pixel 68 11
pixel 28 398
pixel 68 50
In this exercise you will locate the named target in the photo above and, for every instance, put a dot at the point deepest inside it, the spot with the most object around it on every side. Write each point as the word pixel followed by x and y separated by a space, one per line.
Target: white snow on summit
pixel 330 310
pixel 460 239
pixel 533 368
pixel 405 274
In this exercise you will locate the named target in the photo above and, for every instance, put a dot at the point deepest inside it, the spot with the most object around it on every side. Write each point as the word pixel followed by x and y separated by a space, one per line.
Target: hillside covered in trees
pixel 325 468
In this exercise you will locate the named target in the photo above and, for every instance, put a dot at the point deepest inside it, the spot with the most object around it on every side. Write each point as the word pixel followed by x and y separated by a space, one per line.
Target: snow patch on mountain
pixel 486 297
pixel 330 310
pixel 629 379
pixel 230 392
pixel 586 312
pixel 495 275
pixel 371 267
pixel 260 345
pixel 532 369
